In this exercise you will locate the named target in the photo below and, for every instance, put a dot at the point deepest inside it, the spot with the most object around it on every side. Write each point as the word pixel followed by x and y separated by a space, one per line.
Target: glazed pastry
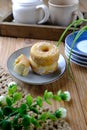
pixel 44 58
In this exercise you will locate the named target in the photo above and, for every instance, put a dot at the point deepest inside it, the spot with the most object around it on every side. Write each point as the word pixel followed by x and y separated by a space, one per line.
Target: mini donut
pixel 44 53
pixel 43 69
pixel 44 58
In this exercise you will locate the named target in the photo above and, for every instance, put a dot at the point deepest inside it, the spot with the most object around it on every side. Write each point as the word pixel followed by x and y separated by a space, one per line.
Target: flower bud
pixel 61 112
pixel 12 83
pixel 3 100
pixel 12 88
pixel 68 97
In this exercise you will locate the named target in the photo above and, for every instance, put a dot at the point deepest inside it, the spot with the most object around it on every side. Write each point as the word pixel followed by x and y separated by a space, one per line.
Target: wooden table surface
pixel 77 107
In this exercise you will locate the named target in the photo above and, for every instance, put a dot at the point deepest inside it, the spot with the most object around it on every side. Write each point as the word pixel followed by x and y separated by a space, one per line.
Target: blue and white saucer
pixel 75 55
pixel 80 46
pixel 79 51
pixel 76 59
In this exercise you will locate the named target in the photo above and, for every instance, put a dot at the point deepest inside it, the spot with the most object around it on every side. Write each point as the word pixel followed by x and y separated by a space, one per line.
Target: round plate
pixel 76 61
pixel 76 55
pixel 80 47
pixel 33 78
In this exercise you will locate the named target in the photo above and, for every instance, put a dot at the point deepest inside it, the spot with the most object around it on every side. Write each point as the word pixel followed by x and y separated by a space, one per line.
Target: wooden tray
pixel 46 31
pixel 33 31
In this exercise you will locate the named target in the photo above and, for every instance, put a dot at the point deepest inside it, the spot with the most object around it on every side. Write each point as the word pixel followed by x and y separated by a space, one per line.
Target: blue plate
pixel 80 47
pixel 76 55
pixel 76 61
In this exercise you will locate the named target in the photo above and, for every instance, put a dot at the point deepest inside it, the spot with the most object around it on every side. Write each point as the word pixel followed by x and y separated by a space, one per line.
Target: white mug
pixel 63 12
pixel 30 11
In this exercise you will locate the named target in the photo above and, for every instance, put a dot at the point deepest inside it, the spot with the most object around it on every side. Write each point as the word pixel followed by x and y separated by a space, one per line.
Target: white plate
pixel 33 78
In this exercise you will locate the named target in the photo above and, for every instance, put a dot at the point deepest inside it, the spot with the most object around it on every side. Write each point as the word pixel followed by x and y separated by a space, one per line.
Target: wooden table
pixel 77 107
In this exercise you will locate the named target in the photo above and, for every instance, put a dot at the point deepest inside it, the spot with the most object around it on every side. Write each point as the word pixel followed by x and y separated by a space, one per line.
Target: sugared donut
pixel 44 57
pixel 44 53
pixel 43 69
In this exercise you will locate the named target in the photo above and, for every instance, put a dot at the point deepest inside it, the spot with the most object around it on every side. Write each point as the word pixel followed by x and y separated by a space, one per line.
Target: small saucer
pixel 80 47
pixel 76 55
pixel 76 59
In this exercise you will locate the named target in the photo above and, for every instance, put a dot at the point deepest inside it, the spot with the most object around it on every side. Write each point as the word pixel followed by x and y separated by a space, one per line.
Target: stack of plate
pixel 79 51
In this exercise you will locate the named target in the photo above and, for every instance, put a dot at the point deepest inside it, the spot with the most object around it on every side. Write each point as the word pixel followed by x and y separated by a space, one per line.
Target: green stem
pixel 76 38
pixel 72 24
pixel 75 24
pixel 12 114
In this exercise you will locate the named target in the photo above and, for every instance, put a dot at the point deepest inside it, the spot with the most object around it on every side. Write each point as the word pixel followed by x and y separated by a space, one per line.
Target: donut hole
pixel 45 49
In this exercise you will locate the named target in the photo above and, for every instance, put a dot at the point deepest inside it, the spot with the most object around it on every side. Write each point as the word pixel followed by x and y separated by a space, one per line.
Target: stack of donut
pixel 44 58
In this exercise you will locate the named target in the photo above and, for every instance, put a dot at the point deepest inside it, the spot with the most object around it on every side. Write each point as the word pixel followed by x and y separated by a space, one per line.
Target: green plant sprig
pixel 12 117
pixel 74 24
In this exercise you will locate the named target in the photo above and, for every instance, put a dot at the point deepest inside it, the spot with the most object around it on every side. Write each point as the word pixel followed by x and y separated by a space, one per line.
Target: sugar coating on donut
pixel 44 57
pixel 44 53
pixel 43 69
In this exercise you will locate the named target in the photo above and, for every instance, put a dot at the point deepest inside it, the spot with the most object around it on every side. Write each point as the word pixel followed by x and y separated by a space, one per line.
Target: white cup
pixel 30 11
pixel 63 12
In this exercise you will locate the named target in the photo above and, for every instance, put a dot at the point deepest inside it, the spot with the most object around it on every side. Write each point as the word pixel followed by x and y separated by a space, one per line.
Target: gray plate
pixel 33 78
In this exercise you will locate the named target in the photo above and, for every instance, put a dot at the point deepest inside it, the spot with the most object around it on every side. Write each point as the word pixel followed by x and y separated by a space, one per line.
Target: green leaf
pixel 17 127
pixel 29 100
pixel 6 125
pixel 0 103
pixel 35 122
pixel 35 110
pixel 26 121
pixel 51 116
pixel 1 113
pixel 62 95
pixel 57 113
pixel 56 97
pixel 12 89
pixel 43 116
pixel 7 110
pixel 39 101
pixel 17 96
pixel 23 109
pixel 8 100
pixel 15 124
pixel 47 96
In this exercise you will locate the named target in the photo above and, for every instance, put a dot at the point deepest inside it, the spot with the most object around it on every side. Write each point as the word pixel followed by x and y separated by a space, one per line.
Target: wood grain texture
pixel 77 107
